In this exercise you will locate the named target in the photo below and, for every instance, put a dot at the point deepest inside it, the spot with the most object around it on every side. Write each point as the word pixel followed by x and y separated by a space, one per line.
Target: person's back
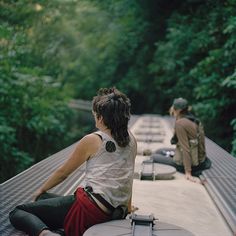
pixel 109 176
pixel 110 171
pixel 189 138
pixel 187 145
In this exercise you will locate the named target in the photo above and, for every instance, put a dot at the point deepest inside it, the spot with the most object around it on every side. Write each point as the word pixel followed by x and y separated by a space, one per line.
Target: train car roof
pixel 204 209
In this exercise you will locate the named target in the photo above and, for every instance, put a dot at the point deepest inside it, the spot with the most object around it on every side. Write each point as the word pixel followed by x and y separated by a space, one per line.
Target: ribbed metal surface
pixel 220 181
pixel 19 189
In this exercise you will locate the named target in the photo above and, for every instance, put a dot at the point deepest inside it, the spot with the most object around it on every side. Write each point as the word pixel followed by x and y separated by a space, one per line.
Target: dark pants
pixel 48 212
pixel 196 170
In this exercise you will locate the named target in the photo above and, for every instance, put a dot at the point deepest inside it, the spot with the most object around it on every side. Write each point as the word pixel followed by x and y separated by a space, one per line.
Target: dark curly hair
pixel 114 107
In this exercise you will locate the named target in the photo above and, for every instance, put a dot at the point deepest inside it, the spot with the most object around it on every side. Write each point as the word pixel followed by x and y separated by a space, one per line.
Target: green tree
pixel 33 110
pixel 198 63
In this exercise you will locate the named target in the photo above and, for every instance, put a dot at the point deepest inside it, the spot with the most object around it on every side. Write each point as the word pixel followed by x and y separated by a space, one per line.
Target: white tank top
pixel 110 173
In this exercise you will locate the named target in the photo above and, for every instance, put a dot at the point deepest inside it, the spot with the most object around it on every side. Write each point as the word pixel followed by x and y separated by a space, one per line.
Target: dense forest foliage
pixel 54 50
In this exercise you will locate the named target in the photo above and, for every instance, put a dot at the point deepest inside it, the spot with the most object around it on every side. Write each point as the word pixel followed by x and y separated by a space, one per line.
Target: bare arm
pixel 87 146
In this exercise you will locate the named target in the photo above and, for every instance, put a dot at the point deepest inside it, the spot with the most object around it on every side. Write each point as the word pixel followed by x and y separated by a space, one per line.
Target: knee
pixel 12 215
pixel 15 214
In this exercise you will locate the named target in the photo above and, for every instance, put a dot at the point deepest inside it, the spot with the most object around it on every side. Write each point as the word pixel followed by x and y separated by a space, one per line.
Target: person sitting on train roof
pixel 109 155
pixel 190 154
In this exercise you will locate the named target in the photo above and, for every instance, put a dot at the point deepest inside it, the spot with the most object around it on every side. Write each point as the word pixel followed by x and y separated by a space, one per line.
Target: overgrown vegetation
pixel 52 51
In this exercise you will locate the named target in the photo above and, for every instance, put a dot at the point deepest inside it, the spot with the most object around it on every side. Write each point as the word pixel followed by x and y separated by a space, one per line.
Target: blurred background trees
pixel 53 51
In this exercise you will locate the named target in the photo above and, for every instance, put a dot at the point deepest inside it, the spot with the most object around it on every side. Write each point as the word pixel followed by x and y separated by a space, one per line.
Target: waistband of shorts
pixel 99 200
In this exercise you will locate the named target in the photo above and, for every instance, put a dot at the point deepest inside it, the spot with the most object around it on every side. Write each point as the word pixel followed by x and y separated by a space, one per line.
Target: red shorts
pixel 83 214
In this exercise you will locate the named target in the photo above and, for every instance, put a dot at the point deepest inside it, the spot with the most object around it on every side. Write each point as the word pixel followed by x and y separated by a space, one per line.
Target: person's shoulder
pixel 89 144
pixel 132 137
pixel 131 134
pixel 182 123
pixel 183 120
pixel 91 138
